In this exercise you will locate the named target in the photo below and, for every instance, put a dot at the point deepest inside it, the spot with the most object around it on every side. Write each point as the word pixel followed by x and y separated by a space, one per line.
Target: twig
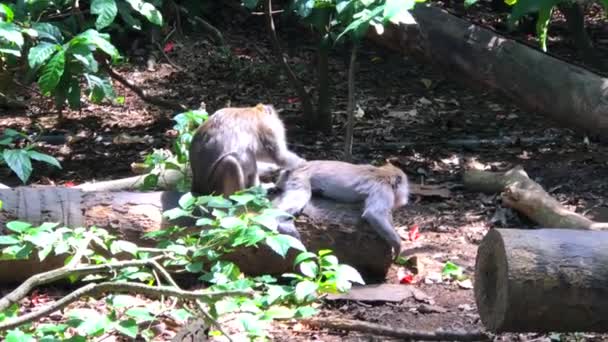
pixel 141 93
pixel 263 13
pixel 438 335
pixel 119 287
pixel 201 308
pixel 162 51
pixel 60 273
pixel 350 121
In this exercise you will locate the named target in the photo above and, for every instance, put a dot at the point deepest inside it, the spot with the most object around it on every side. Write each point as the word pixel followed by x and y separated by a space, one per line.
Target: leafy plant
pixel 19 160
pixel 62 53
pixel 178 159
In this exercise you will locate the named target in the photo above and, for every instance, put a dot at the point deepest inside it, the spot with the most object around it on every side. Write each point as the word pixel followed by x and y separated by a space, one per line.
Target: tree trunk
pixel 324 224
pixel 533 80
pixel 543 280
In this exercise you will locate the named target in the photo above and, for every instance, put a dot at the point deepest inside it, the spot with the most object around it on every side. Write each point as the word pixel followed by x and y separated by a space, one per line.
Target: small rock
pixel 426 308
pixel 464 307
pixel 465 284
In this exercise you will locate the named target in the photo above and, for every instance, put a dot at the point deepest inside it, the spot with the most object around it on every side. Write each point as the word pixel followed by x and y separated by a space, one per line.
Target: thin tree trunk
pixel 350 121
pixel 323 120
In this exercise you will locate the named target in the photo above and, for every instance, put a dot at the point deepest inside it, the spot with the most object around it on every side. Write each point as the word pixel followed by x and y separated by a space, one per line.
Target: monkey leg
pixel 378 215
pixel 286 226
pixel 227 176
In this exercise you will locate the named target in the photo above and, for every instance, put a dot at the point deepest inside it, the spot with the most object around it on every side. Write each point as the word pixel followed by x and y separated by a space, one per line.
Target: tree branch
pixel 406 334
pixel 120 287
pixel 141 93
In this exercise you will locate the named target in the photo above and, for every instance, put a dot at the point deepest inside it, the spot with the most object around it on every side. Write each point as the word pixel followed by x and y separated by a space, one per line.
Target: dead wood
pixel 324 224
pixel 521 193
pixel 406 334
pixel 542 280
pixel 533 80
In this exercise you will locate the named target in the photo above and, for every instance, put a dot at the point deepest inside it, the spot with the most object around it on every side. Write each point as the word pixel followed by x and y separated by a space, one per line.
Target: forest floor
pixel 441 121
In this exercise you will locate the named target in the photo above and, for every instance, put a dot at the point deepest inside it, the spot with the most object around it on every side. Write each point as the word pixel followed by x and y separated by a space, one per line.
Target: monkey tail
pixel 229 159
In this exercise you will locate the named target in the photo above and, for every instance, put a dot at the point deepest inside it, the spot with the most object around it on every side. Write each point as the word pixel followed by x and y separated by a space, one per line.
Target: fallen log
pixel 545 280
pixel 324 224
pixel 523 194
pixel 533 80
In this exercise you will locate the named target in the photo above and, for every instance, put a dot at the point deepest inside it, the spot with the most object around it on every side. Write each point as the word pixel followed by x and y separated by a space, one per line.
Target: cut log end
pixel 491 276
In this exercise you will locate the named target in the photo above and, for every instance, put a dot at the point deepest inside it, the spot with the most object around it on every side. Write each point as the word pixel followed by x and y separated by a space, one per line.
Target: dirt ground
pixel 401 102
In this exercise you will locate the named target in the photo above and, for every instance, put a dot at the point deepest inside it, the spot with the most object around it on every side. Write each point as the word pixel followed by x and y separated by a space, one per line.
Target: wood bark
pixel 545 280
pixel 324 224
pixel 523 194
pixel 533 80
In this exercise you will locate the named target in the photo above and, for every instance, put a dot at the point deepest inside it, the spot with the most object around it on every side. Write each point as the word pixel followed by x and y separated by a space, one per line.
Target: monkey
pixel 226 148
pixel 380 188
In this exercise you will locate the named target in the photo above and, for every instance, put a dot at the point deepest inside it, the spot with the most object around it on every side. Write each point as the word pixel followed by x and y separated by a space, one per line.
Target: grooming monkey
pixel 226 148
pixel 380 189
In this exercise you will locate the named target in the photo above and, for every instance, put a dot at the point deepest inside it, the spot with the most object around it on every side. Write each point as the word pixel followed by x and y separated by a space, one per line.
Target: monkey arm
pixel 296 193
pixel 377 213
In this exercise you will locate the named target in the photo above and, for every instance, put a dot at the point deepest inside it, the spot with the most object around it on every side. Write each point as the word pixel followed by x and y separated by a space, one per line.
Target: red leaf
pixel 293 100
pixel 168 47
pixel 414 233
pixel 69 184
pixel 405 277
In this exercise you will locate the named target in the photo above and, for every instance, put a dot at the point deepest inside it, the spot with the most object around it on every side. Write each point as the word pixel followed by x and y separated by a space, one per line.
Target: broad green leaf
pixel 451 270
pixel 242 199
pixel 123 246
pixel 7 12
pixel 47 328
pixel 279 312
pixel 178 249
pixel 279 244
pixel 250 4
pixel 195 267
pixel 140 314
pixel 396 7
pixel 83 53
pixel 309 269
pixel 48 31
pixel 105 10
pixel 101 41
pixel 175 213
pixel 124 11
pixel 231 222
pixel 469 3
pixel 11 33
pixel 346 275
pixel 18 161
pixel 180 314
pixel 304 289
pixel 304 7
pixel 122 301
pixel 17 335
pixel 52 72
pixel 8 240
pixel 128 327
pixel 305 311
pixel 43 158
pixel 147 10
pixel 15 51
pixel 187 200
pixel 304 256
pixel 99 88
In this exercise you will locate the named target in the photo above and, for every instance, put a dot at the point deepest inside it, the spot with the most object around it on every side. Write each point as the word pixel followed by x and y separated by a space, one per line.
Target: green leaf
pixel 195 267
pixel 8 240
pixel 40 53
pixel 304 256
pixel 279 312
pixel 180 314
pixel 231 222
pixel 186 201
pixel 451 270
pixel 43 158
pixel 178 249
pixel 469 3
pixel 140 314
pixel 397 7
pixel 304 289
pixel 11 33
pixel 542 25
pixel 309 269
pixel 125 13
pixel 346 275
pixel 100 40
pixel 7 12
pixel 175 213
pixel 48 31
pixel 250 4
pixel 18 336
pixel 128 327
pixel 123 246
pixel 147 10
pixel 18 161
pixel 242 199
pixel 105 10
pixel 83 53
pixel 47 328
pixel 305 311
pixel 122 301
pixel 99 88
pixel 18 226
pixel 278 243
pixel 52 72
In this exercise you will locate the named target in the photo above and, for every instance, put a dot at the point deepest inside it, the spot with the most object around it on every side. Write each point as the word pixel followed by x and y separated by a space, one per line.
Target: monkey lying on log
pixel 380 189
pixel 226 148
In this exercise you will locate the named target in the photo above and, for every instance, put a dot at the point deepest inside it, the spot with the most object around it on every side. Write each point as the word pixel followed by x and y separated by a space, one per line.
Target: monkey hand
pixel 396 246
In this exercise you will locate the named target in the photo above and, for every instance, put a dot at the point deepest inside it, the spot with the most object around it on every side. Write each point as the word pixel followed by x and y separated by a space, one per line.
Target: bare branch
pixel 406 334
